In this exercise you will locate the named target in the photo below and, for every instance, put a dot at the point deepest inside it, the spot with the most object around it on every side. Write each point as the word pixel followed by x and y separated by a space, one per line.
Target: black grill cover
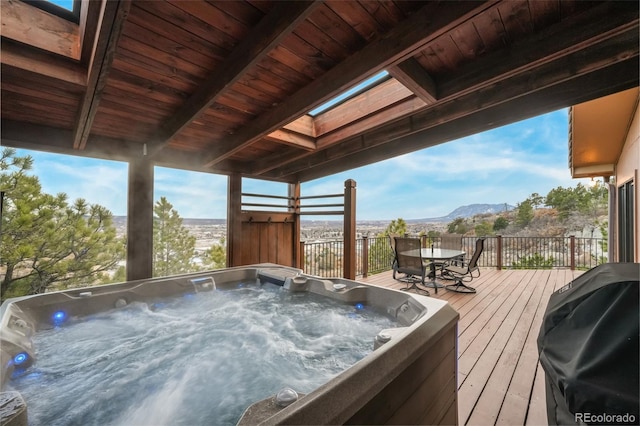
pixel 588 346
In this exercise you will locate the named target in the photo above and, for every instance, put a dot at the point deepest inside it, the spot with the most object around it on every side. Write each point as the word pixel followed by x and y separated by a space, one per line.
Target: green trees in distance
pixel 173 245
pixel 581 199
pixel 216 256
pixel 524 214
pixel 458 226
pixel 50 243
pixel 500 223
pixel 47 242
pixel 586 203
pixel 396 227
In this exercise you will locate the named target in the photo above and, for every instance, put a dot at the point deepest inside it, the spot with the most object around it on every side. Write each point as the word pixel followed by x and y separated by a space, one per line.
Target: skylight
pixel 67 9
pixel 371 81
pixel 65 4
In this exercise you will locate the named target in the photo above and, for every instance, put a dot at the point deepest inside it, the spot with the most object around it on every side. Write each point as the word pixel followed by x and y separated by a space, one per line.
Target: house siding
pixel 627 170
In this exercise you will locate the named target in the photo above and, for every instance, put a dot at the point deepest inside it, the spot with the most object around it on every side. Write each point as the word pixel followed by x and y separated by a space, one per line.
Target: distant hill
pixel 462 211
pixel 467 211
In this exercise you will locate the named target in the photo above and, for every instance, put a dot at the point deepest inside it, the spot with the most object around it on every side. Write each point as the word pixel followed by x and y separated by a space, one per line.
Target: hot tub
pixel 408 378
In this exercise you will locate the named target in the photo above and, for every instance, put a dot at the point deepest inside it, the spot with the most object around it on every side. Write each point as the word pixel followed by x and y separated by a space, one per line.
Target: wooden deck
pixel 499 378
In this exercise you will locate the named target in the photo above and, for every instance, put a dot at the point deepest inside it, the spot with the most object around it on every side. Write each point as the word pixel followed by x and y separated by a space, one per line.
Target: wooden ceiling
pixel 227 86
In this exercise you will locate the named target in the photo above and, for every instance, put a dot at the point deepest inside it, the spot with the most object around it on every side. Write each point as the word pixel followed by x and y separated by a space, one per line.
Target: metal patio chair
pixel 409 261
pixel 464 272
pixel 451 242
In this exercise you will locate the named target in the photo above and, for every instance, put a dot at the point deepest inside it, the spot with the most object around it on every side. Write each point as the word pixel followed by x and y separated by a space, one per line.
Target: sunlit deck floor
pixel 499 378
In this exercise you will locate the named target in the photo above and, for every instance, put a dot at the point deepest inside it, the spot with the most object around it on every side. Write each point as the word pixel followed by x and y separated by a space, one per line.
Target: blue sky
pixel 503 165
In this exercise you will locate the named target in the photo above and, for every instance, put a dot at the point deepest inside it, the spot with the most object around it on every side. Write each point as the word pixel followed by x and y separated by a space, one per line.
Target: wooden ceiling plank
pixel 570 35
pixel 263 38
pixel 415 78
pixel 403 41
pixel 114 14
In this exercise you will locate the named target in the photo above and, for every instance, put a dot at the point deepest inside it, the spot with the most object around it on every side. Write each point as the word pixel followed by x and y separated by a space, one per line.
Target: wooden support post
pixel 234 225
pixel 499 252
pixel 349 257
pixel 365 256
pixel 294 208
pixel 140 220
pixel 572 249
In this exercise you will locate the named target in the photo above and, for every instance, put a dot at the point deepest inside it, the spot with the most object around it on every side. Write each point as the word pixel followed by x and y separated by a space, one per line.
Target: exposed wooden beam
pixel 113 16
pixel 302 125
pixel 393 112
pixel 276 25
pixel 292 139
pixel 35 27
pixel 415 78
pixel 543 78
pixel 40 62
pixel 587 87
pixel 51 139
pixel 90 12
pixel 404 40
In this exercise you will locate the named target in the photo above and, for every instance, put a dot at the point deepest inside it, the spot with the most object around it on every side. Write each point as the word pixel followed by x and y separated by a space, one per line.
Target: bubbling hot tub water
pixel 198 359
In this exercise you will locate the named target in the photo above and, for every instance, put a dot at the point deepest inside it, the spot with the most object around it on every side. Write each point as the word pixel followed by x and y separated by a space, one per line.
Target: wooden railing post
pixel 301 257
pixel 365 256
pixel 349 257
pixel 572 249
pixel 499 252
pixel 294 208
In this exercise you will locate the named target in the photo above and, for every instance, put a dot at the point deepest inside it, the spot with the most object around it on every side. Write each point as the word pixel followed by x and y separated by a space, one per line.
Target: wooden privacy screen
pixel 266 237
pixel 257 236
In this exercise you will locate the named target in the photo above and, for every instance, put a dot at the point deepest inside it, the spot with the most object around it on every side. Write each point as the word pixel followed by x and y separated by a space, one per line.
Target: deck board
pixel 499 377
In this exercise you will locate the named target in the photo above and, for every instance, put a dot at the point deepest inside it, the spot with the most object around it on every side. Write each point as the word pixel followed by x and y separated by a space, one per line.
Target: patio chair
pixel 409 262
pixel 464 272
pixel 451 242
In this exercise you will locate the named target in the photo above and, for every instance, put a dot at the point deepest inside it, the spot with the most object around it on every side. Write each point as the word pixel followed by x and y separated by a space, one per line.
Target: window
pixel 625 222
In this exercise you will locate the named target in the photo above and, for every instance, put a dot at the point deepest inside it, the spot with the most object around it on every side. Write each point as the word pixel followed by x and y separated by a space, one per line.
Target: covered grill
pixel 588 346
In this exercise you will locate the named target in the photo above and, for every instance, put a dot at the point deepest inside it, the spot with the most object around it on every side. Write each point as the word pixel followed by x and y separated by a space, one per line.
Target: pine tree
pixel 216 256
pixel 47 243
pixel 173 245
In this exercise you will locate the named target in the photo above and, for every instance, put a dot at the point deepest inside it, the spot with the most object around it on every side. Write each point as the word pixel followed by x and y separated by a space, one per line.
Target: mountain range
pixel 462 211
pixel 467 211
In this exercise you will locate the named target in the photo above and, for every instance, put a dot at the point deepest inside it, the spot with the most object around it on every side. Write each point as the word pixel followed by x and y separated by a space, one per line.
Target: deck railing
pixel 374 254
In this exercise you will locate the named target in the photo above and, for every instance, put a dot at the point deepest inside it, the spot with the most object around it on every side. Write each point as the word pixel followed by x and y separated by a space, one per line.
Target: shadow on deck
pixel 499 378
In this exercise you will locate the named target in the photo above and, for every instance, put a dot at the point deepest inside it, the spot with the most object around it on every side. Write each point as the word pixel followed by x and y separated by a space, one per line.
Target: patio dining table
pixel 438 255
